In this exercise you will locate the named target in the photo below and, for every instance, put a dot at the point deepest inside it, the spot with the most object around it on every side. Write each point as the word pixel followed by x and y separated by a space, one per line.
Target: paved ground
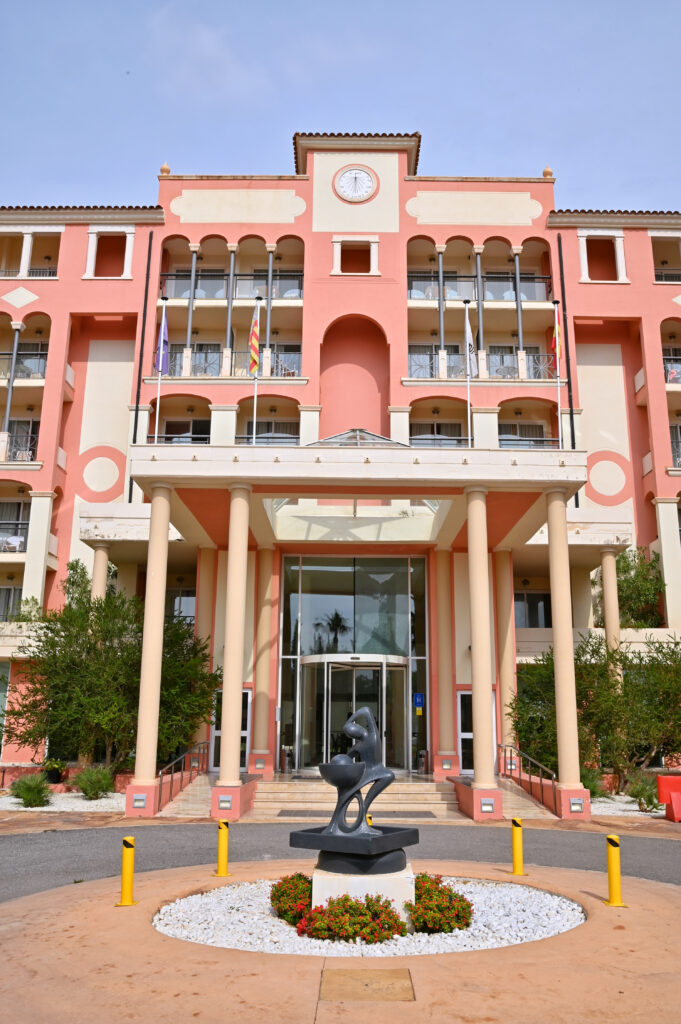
pixel 71 957
pixel 37 861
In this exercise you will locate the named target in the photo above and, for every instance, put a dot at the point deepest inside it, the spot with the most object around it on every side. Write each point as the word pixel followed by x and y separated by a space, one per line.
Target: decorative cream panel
pixel 462 621
pixel 249 627
pixel 108 387
pixel 600 372
pixel 498 208
pixel 381 213
pixel 238 206
pixel 220 608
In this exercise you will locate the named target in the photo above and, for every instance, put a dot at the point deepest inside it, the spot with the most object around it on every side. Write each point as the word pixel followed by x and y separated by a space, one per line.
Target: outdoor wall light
pixel 29 408
pixel 259 762
pixel 21 490
pixel 433 334
pixel 38 332
pixel 273 409
pixel 10 576
pixel 277 258
pixel 275 334
pixel 224 803
pixel 517 412
pixel 190 408
pixel 672 337
pixel 576 805
pixel 435 411
pixel 525 582
pixel 487 806
pixel 139 800
pixel 446 766
pixel 678 414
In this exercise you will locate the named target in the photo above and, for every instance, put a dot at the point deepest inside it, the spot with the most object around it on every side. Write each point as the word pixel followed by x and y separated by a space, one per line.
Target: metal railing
pixel 286 364
pixel 189 766
pixel 496 287
pixel 241 362
pixel 42 272
pixel 512 760
pixel 179 439
pixel 672 369
pixel 288 440
pixel 541 366
pixel 667 274
pixel 676 453
pixel 213 284
pixel 9 272
pixel 423 362
pixel 503 365
pixel 31 364
pixel 206 364
pixel 23 449
pixel 511 441
pixel 437 441
pixel 13 535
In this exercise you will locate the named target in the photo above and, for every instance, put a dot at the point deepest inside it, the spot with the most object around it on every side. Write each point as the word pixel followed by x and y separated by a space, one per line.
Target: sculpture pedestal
pixel 397 886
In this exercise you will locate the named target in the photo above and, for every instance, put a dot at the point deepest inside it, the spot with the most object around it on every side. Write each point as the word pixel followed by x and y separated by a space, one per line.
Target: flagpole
pixel 256 316
pixel 556 334
pixel 468 376
pixel 159 361
pixel 255 403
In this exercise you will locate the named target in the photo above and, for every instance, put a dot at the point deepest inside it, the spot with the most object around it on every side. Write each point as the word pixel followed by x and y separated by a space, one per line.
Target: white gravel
pixel 620 806
pixel 239 916
pixel 113 803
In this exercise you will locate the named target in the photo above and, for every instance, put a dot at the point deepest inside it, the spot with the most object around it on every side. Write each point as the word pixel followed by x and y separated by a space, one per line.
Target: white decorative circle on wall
pixel 607 477
pixel 101 474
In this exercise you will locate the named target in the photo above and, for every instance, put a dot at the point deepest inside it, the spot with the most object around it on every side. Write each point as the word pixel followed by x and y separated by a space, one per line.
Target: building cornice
pixel 233 177
pixel 449 177
pixel 614 218
pixel 306 142
pixel 12 215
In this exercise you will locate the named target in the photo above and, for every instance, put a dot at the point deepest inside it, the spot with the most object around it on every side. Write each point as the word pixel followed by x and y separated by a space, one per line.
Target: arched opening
pixel 535 270
pixel 438 422
pixel 175 267
pixel 183 419
pixel 354 378
pixel 276 421
pixel 211 268
pixel 528 423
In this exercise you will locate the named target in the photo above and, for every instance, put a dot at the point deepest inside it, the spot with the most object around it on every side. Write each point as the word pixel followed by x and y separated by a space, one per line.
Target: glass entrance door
pixel 246 706
pixel 330 691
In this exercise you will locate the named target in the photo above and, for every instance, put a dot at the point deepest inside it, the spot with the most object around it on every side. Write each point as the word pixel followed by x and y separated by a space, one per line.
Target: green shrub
pixel 437 908
pixel 291 897
pixel 643 788
pixel 54 769
pixel 372 919
pixel 94 782
pixel 32 790
pixel 591 780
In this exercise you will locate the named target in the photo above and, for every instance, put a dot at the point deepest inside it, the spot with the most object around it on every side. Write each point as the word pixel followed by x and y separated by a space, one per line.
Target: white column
pixel 152 637
pixel 583 258
pixel 399 423
pixel 100 571
pixel 37 545
pixel 373 257
pixel 26 253
pixel 127 258
pixel 611 607
pixel 91 257
pixel 563 644
pixel 667 512
pixel 481 655
pixel 235 623
pixel 309 423
pixel 619 258
pixel 505 639
pixel 223 424
pixel 485 428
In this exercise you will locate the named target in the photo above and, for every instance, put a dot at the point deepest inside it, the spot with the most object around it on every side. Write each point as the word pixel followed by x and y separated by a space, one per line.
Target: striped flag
pixel 254 341
pixel 471 356
pixel 555 341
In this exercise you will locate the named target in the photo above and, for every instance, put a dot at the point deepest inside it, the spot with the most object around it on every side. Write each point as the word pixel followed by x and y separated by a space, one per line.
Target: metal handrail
pixel 198 765
pixel 507 764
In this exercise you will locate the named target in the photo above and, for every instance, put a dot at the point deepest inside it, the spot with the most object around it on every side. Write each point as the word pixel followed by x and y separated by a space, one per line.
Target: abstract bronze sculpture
pixel 350 773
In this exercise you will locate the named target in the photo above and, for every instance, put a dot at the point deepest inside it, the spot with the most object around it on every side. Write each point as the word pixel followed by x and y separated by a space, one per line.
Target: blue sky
pixel 98 96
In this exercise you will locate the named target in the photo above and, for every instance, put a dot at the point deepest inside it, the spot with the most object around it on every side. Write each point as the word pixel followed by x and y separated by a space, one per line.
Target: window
pixel 601 255
pixel 4 687
pixel 532 610
pixel 667 259
pixel 31 359
pixel 14 516
pixel 675 431
pixel 10 604
pixel 521 435
pixel 272 432
pixel 355 258
pixel 671 357
pixel 435 434
pixel 185 432
pixel 23 440
pixel 206 360
pixel 181 604
pixel 503 361
pixel 110 258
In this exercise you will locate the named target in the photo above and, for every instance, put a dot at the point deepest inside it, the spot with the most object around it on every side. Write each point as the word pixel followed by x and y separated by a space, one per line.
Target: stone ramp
pixel 192 802
pixel 516 803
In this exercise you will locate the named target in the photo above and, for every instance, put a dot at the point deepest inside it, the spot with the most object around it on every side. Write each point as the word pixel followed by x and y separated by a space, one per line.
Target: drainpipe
pixel 478 250
pixel 440 250
pixel 230 296
pixel 516 250
pixel 268 314
pixel 17 327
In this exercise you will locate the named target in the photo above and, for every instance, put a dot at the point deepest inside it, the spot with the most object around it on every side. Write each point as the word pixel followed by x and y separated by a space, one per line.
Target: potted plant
pixel 54 769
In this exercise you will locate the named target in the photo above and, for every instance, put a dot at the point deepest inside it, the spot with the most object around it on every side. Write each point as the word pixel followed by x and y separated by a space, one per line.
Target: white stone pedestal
pixel 398 886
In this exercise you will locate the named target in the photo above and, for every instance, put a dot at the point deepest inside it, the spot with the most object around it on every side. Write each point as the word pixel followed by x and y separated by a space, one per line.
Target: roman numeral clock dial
pixel 355 184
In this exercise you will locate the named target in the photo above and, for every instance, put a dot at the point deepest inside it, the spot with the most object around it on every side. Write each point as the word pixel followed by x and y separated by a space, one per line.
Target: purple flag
pixel 161 361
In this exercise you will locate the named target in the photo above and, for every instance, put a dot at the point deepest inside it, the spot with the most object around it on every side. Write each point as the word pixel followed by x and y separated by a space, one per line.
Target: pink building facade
pixel 393 524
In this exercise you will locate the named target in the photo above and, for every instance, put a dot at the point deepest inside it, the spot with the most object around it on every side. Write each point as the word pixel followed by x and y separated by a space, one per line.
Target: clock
pixel 355 184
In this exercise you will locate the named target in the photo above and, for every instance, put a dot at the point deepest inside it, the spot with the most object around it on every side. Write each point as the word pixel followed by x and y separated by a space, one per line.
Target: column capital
pixel 475 489
pixel 194 247
pixel 18 325
pixel 240 487
pixel 269 247
pixel 310 408
pixel 440 249
pixel 665 501
pixel 478 249
pixel 42 494
pixel 516 250
pixel 160 485
pixel 223 408
pixel 503 551
pixel 609 550
pixel 556 490
pixel 232 247
pixel 97 545
pixel 141 407
pixel 265 547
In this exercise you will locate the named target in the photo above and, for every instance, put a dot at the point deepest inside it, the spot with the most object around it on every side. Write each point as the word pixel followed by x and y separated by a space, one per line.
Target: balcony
pixel 676 454
pixel 179 439
pixel 541 366
pixel 13 536
pixel 285 364
pixel 22 449
pixel 496 287
pixel 513 441
pixel 672 369
pixel 503 365
pixel 436 440
pixel 29 365
pixel 213 284
pixel 206 361
pixel 667 274
pixel 423 361
pixel 269 438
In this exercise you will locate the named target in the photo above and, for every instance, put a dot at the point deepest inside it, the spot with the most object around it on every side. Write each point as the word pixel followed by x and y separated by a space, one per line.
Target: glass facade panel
pixel 288 703
pixel 312 715
pixel 289 634
pixel 395 710
pixel 382 606
pixel 327 606
pixel 418 607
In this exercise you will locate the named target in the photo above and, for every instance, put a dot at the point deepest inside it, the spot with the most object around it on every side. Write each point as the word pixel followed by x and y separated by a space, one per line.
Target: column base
pixel 141 801
pixel 229 803
pixel 568 803
pixel 261 762
pixel 478 804
pixel 445 763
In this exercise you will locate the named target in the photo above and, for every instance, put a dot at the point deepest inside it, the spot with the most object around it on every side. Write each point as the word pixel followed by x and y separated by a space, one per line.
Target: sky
pixel 98 96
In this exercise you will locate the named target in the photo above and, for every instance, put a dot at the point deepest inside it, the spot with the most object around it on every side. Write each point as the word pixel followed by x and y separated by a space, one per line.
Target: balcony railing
pixel 206 364
pixel 667 274
pixel 437 441
pixel 672 369
pixel 9 272
pixel 289 440
pixel 541 366
pixel 510 441
pixel 496 287
pixel 42 272
pixel 504 365
pixel 179 439
pixel 676 453
pixel 213 284
pixel 22 449
pixel 29 365
pixel 423 362
pixel 286 364
pixel 13 535
pixel 456 365
pixel 241 362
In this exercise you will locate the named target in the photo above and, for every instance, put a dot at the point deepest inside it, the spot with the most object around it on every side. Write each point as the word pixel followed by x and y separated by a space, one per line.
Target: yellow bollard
pixel 614 873
pixel 127 872
pixel 517 844
pixel 370 820
pixel 223 849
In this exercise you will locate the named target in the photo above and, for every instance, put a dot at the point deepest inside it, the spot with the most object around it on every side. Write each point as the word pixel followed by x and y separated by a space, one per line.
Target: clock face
pixel 355 184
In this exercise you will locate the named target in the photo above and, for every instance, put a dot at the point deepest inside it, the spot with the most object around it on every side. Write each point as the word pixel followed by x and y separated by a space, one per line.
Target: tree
pixel 639 589
pixel 79 684
pixel 335 625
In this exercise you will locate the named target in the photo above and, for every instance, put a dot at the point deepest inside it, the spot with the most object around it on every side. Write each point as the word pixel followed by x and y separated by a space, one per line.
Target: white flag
pixel 471 357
